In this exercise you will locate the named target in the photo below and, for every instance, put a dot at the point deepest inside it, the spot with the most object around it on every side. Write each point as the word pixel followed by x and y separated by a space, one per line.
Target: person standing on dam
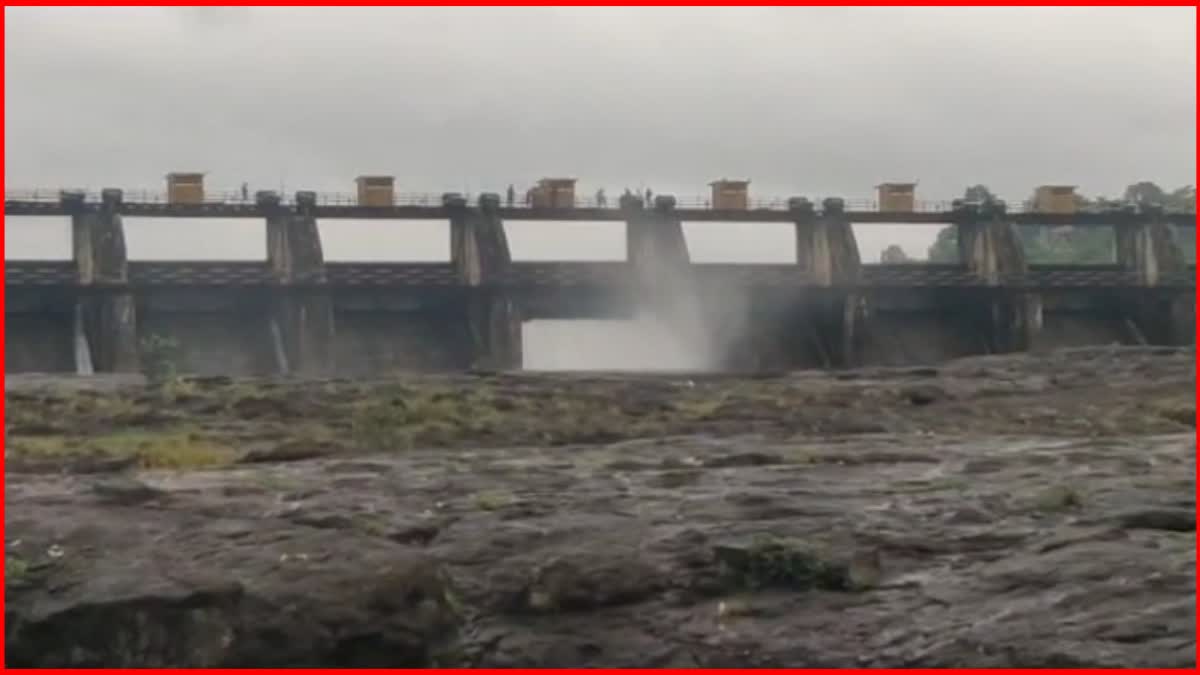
pixel 511 195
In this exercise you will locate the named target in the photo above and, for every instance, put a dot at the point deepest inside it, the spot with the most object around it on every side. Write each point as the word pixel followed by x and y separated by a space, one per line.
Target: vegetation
pixel 151 449
pixel 429 417
pixel 774 563
pixel 206 422
pixel 1179 411
pixel 15 570
pixel 1078 245
pixel 159 356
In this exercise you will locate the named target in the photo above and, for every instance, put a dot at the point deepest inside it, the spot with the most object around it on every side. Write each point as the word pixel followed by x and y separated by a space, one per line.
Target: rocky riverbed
pixel 1026 511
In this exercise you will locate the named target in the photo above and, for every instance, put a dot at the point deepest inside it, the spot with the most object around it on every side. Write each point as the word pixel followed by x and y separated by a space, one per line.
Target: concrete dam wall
pixel 297 314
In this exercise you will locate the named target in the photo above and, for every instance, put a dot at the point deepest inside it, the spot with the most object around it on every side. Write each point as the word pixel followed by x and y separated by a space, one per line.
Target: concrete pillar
pixel 657 251
pixel 827 250
pixel 662 280
pixel 990 247
pixel 481 257
pixel 1147 249
pixel 302 324
pixel 825 243
pixel 1182 313
pixel 107 315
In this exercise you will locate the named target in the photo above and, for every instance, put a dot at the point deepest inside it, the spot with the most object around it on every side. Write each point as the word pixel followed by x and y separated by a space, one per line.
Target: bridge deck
pixel 35 273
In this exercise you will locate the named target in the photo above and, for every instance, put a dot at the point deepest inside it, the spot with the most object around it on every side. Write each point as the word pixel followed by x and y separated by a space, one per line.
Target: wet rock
pixel 630 465
pixel 193 627
pixel 924 394
pixel 255 407
pixel 743 459
pixel 1170 520
pixel 1058 498
pixel 858 425
pixel 126 490
pixel 88 463
pixel 865 570
pixel 296 609
pixel 586 583
pixel 969 515
pixel 390 559
pixel 1182 413
pixel 675 479
pixel 415 534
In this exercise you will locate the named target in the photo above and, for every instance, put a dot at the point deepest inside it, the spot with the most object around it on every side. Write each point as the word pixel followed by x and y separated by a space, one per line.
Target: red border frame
pixel 545 3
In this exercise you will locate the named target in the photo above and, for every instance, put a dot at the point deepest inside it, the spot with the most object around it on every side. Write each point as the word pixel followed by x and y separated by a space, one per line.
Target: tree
pixel 1182 199
pixel 978 193
pixel 1145 192
pixel 1068 245
pixel 945 247
pixel 893 254
pixel 1150 194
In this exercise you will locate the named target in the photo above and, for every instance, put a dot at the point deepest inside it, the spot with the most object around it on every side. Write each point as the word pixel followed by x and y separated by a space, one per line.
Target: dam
pixel 296 313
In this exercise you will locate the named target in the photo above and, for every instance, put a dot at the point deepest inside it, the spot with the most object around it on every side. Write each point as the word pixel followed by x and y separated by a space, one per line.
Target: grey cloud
pixel 206 18
pixel 815 101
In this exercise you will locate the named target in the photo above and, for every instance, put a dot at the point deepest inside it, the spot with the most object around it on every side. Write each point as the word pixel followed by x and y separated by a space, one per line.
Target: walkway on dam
pixel 419 206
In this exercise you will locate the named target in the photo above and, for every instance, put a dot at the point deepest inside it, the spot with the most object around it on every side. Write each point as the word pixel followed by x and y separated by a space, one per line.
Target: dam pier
pixel 296 313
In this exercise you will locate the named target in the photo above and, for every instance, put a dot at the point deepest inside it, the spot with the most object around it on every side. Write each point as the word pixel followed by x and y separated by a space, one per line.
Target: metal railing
pixel 433 200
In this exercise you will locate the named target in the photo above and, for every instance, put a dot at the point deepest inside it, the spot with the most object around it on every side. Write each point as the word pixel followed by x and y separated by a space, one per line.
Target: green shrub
pixel 772 563
pixel 159 355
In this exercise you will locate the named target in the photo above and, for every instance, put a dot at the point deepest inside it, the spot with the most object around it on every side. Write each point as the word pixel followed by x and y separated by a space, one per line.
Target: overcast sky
pixel 799 100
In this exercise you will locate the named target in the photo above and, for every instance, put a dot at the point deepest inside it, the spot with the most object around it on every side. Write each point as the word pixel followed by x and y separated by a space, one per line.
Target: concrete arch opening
pixel 594 330
pixel 206 239
pixel 38 331
pixel 34 238
pixel 905 325
pixel 385 241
